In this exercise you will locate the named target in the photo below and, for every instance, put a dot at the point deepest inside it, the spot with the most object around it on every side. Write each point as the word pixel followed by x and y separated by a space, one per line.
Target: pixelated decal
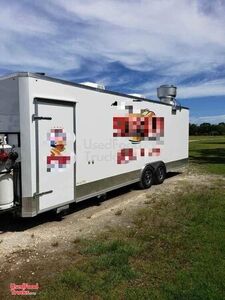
pixel 128 154
pixel 57 139
pixel 140 126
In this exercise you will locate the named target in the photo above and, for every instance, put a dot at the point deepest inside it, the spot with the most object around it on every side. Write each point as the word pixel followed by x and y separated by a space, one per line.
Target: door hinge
pixel 37 118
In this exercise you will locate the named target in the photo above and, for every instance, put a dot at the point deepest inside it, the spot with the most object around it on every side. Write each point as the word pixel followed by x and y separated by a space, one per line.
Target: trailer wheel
pixel 146 178
pixel 160 174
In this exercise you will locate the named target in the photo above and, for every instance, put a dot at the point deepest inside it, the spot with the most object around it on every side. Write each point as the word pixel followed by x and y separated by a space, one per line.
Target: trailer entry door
pixel 55 146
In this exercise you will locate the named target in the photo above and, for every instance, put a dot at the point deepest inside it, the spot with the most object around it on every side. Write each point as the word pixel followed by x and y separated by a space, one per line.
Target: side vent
pixel 94 85
pixel 137 95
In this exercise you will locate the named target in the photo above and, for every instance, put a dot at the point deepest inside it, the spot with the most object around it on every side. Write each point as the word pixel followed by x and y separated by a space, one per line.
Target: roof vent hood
pixel 94 85
pixel 167 93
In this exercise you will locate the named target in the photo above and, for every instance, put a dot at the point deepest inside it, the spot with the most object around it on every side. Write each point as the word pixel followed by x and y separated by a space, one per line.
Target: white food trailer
pixel 62 142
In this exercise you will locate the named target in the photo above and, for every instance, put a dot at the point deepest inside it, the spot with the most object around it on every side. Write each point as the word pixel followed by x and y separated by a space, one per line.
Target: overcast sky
pixel 131 46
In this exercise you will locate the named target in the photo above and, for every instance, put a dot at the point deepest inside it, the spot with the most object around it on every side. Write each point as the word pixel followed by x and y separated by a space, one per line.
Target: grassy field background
pixel 175 250
pixel 207 153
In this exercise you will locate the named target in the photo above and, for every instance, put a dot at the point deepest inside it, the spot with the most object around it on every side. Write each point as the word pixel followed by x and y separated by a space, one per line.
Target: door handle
pixel 42 194
pixel 37 118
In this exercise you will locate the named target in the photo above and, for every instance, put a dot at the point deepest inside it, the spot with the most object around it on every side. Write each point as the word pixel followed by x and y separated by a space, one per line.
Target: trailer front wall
pixel 9 105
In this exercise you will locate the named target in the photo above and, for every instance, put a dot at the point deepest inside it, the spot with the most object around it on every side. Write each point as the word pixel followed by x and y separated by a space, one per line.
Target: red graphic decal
pixel 139 127
pixel 57 138
pixel 61 160
pixel 126 155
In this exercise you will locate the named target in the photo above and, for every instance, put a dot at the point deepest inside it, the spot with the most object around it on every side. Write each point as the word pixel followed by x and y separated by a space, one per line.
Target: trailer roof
pixel 52 79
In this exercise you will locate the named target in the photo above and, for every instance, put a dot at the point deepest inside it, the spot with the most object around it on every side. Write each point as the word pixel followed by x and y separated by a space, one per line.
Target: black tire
pixel 146 178
pixel 101 198
pixel 160 174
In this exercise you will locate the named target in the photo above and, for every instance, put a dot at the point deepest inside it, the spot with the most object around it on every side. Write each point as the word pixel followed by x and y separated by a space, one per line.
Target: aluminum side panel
pixel 97 148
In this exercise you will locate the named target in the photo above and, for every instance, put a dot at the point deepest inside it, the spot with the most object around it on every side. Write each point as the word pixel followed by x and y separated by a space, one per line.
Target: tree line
pixel 207 129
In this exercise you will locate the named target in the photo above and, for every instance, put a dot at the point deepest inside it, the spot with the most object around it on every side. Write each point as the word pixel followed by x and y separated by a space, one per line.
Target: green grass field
pixel 175 250
pixel 208 153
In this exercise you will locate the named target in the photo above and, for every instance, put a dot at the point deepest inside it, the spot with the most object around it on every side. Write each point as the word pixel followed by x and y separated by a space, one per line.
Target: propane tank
pixel 6 176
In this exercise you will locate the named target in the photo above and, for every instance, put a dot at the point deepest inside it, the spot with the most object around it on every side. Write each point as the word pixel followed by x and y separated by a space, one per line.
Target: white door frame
pixel 37 119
